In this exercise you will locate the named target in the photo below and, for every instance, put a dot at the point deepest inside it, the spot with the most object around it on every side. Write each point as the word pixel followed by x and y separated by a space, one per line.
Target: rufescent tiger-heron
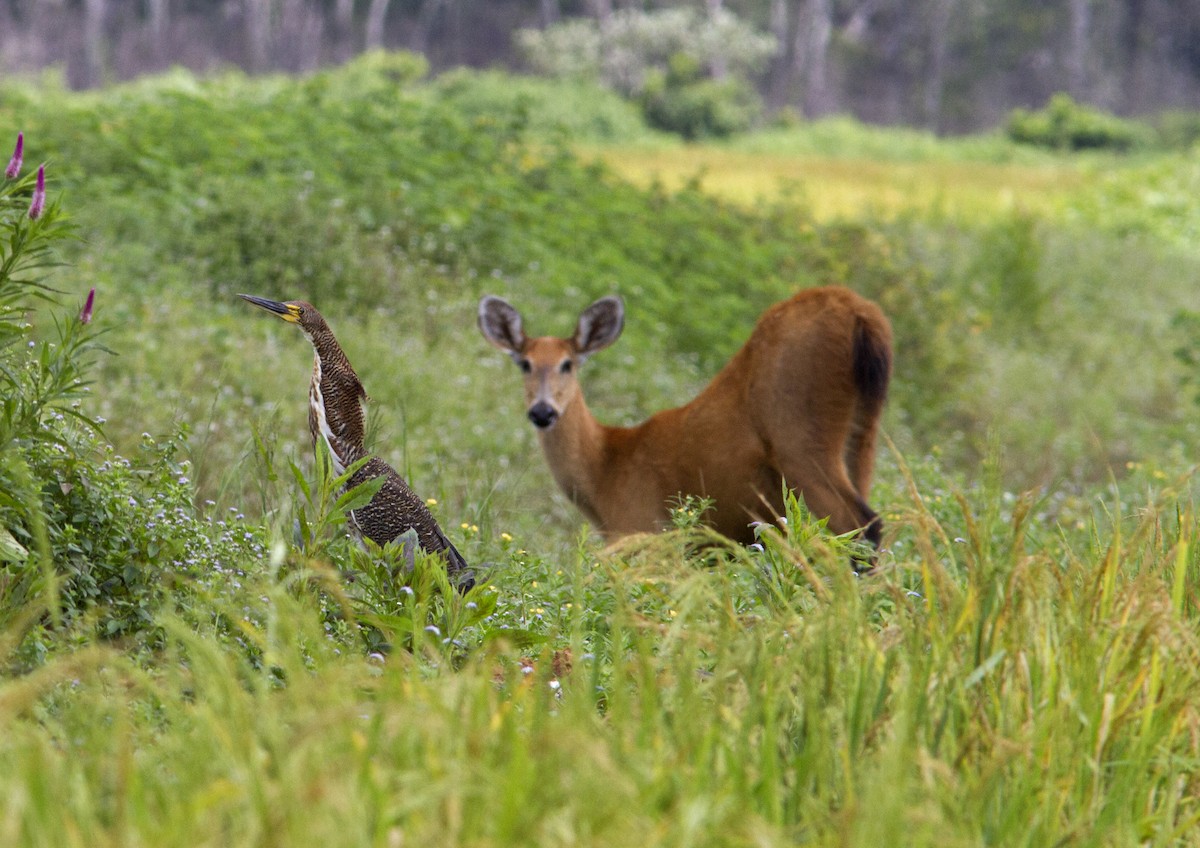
pixel 335 414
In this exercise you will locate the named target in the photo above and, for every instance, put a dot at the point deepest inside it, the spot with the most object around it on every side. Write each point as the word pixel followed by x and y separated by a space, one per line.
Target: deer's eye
pixel 566 367
pixel 526 366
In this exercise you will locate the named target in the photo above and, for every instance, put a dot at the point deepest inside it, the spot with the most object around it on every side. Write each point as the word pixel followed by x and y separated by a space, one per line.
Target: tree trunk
pixel 426 18
pixel 297 36
pixel 258 33
pixel 857 26
pixel 781 74
pixel 940 13
pixel 810 55
pixel 1134 43
pixel 549 9
pixel 1079 37
pixel 93 42
pixel 343 29
pixel 376 14
pixel 718 68
pixel 157 17
pixel 603 10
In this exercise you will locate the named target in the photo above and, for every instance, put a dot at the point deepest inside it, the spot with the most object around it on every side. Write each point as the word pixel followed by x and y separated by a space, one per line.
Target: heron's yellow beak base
pixel 287 311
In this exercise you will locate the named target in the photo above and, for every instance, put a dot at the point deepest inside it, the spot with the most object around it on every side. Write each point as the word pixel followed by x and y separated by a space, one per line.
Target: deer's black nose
pixel 542 415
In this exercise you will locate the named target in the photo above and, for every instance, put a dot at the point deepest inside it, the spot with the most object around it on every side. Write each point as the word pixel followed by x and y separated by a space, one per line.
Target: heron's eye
pixel 566 367
pixel 526 366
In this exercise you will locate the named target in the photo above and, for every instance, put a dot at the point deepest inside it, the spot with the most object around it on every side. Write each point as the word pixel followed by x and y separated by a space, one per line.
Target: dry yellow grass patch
pixel 850 187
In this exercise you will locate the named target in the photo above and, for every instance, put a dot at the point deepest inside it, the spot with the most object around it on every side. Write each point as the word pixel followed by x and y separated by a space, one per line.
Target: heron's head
pixel 293 311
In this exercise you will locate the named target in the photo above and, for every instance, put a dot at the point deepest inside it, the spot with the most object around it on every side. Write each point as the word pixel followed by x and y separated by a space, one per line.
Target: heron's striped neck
pixel 335 403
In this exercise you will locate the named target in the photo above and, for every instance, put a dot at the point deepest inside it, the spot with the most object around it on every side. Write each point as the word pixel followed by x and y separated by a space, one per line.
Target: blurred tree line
pixel 949 65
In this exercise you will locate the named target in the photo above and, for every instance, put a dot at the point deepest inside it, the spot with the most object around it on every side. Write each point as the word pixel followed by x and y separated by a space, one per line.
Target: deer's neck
pixel 577 451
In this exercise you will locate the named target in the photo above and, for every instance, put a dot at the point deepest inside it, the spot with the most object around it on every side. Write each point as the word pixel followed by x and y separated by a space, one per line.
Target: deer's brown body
pixel 800 402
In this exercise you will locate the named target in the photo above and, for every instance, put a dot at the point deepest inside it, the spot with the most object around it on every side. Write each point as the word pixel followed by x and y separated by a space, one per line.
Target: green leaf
pixel 393 625
pixel 984 668
pixel 344 478
pixel 10 549
pixel 360 495
pixel 301 481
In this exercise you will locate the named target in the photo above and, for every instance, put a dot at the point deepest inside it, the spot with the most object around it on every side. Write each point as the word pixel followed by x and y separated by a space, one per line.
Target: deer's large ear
pixel 500 324
pixel 599 325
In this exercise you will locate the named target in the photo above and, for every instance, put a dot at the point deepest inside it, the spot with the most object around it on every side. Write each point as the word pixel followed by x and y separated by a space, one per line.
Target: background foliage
pixel 947 66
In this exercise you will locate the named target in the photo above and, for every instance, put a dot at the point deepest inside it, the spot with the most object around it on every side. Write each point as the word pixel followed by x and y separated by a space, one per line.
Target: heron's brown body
pixel 335 415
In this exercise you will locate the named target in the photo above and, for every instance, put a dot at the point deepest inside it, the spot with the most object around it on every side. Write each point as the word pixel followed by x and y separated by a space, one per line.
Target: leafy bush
pixel 582 109
pixel 1178 129
pixel 681 100
pixel 1007 269
pixel 125 536
pixel 1067 125
pixel 84 534
pixel 666 60
pixel 1186 324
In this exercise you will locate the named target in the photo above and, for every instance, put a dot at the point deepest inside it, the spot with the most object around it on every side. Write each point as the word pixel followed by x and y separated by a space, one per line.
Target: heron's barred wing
pixel 395 509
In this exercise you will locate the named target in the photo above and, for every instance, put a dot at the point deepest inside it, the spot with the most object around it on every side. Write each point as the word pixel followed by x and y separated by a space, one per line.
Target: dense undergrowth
pixel 194 653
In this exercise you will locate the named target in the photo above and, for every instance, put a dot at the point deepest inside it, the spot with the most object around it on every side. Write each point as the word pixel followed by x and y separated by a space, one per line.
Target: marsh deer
pixel 800 402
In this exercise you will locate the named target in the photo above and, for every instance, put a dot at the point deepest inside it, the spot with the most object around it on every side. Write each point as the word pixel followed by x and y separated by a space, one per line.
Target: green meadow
pixel 194 653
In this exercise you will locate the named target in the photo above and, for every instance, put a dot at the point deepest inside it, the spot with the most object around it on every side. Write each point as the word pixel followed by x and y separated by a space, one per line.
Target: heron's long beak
pixel 283 310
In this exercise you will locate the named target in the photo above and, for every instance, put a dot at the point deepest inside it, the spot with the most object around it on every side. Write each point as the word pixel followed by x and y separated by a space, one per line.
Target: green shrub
pixel 683 101
pixel 664 60
pixel 125 537
pixel 86 537
pixel 1178 129
pixel 1186 325
pixel 584 111
pixel 1007 269
pixel 1067 125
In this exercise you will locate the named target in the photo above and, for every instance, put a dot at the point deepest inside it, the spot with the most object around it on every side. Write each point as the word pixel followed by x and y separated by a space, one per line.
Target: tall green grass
pixel 1001 687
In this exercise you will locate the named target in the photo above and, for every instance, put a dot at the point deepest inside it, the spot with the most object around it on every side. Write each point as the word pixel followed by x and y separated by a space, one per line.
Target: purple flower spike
pixel 14 164
pixel 39 195
pixel 85 315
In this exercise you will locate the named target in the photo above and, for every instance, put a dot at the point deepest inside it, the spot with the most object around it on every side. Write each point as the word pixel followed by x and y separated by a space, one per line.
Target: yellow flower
pixel 506 537
pixel 431 502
